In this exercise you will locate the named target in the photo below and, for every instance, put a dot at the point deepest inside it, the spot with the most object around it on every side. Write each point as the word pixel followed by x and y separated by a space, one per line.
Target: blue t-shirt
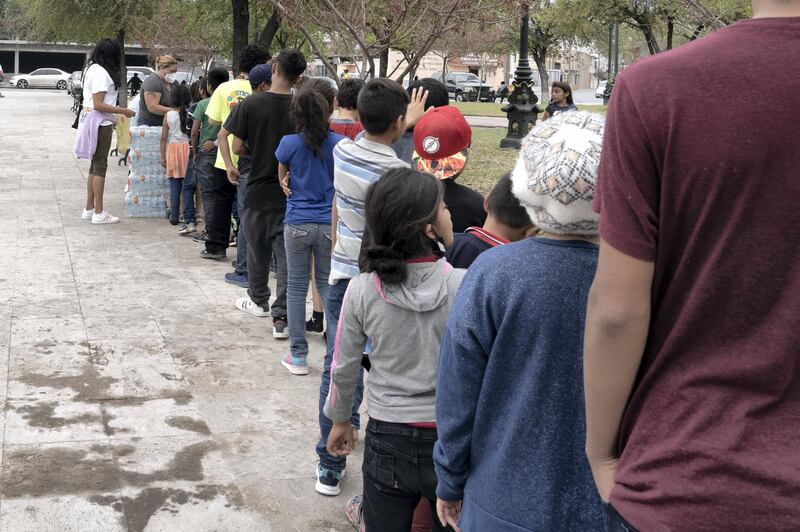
pixel 311 179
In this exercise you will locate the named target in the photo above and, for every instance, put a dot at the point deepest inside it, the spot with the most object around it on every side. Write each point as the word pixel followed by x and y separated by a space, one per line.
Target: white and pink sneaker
pixel 104 218
pixel 87 215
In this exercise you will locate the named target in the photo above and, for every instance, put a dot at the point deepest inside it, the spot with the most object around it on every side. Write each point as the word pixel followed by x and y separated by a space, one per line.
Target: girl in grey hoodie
pixel 401 304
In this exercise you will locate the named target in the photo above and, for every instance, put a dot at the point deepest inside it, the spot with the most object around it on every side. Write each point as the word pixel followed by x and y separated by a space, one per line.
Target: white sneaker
pixel 87 215
pixel 245 304
pixel 104 218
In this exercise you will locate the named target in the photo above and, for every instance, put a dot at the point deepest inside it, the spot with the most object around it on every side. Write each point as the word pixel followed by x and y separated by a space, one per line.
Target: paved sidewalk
pixel 135 396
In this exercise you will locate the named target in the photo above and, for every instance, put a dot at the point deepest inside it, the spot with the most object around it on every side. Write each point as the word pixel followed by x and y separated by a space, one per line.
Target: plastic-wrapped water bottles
pixel 147 191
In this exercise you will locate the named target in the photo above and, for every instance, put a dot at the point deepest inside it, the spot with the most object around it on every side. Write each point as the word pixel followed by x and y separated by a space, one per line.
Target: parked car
pixel 601 89
pixel 143 72
pixel 42 77
pixel 466 87
pixel 75 82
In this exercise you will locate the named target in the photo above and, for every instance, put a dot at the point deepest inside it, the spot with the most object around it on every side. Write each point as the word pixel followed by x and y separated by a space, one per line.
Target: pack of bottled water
pixel 147 193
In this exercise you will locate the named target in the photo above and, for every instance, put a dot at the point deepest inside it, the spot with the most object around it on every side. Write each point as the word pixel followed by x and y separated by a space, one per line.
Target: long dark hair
pixel 566 88
pixel 398 208
pixel 311 109
pixel 106 53
pixel 181 100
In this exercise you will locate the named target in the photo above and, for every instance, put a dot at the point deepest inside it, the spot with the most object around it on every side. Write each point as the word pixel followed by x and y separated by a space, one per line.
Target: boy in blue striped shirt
pixel 385 113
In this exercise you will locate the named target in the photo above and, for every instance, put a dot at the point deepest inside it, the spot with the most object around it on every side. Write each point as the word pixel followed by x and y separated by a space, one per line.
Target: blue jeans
pixel 241 238
pixel 175 188
pixel 333 307
pixel 302 241
pixel 188 190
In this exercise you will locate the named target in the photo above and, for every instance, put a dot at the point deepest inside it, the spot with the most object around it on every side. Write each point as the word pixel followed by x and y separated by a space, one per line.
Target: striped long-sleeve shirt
pixel 357 164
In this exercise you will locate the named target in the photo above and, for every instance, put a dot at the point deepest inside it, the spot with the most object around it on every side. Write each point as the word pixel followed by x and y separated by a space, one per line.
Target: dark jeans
pixel 398 470
pixel 333 307
pixel 175 187
pixel 204 174
pixel 264 228
pixel 615 522
pixel 189 187
pixel 241 236
pixel 219 232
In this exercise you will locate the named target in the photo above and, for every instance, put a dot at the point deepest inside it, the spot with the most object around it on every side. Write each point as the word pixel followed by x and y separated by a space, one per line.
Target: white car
pixel 42 77
pixel 601 89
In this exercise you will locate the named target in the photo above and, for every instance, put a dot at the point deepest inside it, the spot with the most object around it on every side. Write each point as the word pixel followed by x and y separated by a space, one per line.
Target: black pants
pixel 615 522
pixel 398 471
pixel 264 229
pixel 219 232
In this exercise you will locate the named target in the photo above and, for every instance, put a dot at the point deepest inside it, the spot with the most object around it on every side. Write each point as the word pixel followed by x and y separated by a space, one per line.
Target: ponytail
pixel 311 110
pixel 184 115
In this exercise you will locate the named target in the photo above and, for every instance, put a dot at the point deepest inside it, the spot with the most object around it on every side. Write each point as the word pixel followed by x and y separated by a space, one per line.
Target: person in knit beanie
pixel 509 399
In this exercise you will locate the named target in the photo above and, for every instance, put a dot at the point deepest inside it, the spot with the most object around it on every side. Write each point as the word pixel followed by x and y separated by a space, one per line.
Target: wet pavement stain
pixel 43 415
pixel 63 471
pixel 88 386
pixel 187 423
pixel 150 501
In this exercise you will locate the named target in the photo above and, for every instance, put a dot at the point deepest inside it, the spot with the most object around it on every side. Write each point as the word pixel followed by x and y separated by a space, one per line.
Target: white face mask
pixel 170 78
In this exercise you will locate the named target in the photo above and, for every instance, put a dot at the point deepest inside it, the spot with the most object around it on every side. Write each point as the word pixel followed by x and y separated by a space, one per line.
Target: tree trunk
pixel 241 26
pixel 384 58
pixel 650 38
pixel 267 35
pixel 123 72
pixel 670 31
pixel 696 33
pixel 544 77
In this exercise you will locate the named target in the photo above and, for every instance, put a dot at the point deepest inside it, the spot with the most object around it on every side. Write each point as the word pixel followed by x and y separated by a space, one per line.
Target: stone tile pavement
pixel 135 396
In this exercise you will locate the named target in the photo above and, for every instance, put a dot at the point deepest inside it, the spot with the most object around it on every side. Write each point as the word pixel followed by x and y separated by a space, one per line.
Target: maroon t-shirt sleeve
pixel 627 194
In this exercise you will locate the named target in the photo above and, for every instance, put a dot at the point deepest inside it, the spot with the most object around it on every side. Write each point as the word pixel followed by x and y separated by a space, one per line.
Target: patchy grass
pixel 487 161
pixel 480 108
pixel 493 109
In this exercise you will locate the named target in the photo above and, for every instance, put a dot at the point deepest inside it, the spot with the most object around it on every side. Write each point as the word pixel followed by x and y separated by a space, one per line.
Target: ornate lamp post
pixel 522 110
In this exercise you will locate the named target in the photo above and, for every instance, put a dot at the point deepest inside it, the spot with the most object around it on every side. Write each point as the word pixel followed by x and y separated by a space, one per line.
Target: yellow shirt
pixel 223 101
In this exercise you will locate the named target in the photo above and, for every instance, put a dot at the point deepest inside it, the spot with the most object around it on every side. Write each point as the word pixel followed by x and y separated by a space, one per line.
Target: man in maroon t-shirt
pixel 692 348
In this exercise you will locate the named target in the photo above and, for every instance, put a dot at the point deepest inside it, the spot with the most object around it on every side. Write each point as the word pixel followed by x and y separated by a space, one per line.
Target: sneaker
pixel 295 365
pixel 104 218
pixel 237 279
pixel 232 242
pixel 280 328
pixel 87 215
pixel 314 326
pixel 245 304
pixel 328 481
pixel 200 237
pixel 214 255
pixel 174 222
pixel 188 229
pixel 353 511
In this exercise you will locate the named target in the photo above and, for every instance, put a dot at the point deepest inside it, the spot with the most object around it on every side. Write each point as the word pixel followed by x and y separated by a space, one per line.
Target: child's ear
pixel 400 124
pixel 486 204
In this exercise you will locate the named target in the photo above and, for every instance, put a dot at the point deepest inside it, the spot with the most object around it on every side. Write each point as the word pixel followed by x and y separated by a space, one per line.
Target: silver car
pixel 42 77
pixel 75 82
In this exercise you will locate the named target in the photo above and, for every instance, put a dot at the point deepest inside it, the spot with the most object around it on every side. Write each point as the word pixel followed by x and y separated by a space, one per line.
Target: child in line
pixel 506 221
pixel 305 170
pixel 175 153
pixel 204 148
pixel 509 399
pixel 346 121
pixel 401 304
pixel 441 147
pixel 384 110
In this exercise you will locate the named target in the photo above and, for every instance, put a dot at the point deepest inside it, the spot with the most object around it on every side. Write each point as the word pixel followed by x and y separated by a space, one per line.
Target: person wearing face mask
pixel 157 92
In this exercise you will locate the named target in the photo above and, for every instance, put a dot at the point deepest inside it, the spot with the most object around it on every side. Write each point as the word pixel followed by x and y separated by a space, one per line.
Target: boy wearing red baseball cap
pixel 441 147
